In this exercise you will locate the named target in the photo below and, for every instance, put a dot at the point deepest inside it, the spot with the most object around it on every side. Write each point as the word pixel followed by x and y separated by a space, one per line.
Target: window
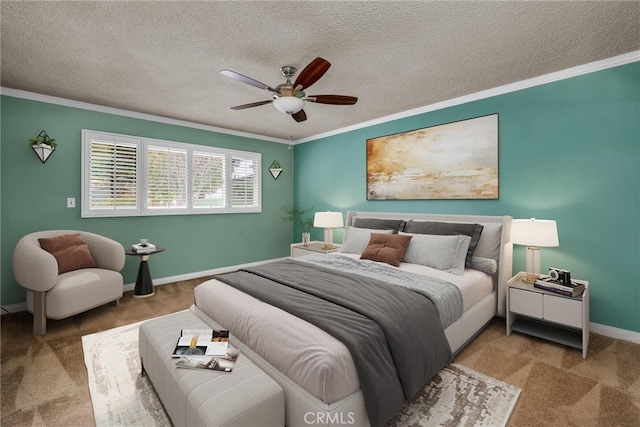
pixel 111 175
pixel 130 176
pixel 208 180
pixel 166 177
pixel 243 192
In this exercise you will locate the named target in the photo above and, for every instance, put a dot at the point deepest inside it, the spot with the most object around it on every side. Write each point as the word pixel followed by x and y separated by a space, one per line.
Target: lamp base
pixel 533 264
pixel 328 239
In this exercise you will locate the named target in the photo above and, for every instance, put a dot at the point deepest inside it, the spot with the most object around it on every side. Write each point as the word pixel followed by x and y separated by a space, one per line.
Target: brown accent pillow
pixel 388 248
pixel 70 250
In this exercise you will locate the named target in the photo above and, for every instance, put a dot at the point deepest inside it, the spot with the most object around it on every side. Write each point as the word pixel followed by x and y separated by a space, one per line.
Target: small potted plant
pixel 299 216
pixel 43 145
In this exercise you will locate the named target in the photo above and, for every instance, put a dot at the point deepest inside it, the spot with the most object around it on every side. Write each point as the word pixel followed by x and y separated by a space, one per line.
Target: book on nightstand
pixel 202 342
pixel 570 290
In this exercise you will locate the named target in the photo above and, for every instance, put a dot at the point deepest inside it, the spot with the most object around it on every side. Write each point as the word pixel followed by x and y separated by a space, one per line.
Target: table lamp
pixel 534 233
pixel 328 221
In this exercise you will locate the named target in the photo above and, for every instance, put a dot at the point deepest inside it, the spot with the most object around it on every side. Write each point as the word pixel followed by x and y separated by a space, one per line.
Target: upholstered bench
pixel 194 397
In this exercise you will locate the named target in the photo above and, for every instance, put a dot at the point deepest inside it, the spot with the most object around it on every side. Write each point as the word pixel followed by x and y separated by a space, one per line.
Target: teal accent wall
pixel 568 151
pixel 34 195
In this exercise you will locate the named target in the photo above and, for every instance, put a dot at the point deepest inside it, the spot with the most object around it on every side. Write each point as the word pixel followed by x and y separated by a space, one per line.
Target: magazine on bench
pixel 222 363
pixel 202 342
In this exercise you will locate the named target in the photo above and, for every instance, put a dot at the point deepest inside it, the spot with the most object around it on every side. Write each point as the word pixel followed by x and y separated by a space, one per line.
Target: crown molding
pixel 16 93
pixel 579 70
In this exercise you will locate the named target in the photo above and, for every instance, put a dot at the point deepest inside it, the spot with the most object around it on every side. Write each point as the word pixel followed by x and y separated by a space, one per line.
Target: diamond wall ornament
pixel 43 151
pixel 275 169
pixel 43 145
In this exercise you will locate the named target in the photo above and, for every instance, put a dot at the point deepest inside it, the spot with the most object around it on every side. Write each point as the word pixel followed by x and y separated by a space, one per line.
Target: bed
pixel 320 373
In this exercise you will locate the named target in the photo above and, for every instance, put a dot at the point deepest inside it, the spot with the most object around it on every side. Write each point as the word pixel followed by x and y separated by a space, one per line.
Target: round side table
pixel 144 284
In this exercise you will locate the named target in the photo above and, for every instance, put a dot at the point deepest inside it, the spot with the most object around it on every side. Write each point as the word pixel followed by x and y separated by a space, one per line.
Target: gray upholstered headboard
pixel 495 241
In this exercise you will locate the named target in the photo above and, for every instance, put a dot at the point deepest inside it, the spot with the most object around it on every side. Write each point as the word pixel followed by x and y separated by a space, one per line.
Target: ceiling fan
pixel 290 97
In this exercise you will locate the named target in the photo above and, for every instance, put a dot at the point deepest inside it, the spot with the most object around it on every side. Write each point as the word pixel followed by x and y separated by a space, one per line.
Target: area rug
pixel 119 394
pixel 457 396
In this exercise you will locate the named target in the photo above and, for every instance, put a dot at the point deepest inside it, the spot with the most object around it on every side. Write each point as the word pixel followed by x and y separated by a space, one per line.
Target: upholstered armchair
pixel 66 284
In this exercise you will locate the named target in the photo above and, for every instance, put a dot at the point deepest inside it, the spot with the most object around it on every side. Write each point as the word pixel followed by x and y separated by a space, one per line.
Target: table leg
pixel 144 284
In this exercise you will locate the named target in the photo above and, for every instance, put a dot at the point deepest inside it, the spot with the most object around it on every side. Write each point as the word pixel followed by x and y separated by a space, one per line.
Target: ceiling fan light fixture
pixel 290 98
pixel 288 104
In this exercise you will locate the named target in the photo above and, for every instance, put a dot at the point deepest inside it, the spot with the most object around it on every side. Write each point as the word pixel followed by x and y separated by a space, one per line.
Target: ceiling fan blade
pixel 253 104
pixel 247 80
pixel 312 72
pixel 332 99
pixel 300 116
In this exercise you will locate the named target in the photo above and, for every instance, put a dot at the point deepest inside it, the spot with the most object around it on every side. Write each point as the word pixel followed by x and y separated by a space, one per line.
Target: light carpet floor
pixel 44 379
pixel 457 396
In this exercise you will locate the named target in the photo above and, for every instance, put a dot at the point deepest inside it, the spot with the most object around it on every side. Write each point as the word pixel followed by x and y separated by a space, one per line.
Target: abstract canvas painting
pixel 456 160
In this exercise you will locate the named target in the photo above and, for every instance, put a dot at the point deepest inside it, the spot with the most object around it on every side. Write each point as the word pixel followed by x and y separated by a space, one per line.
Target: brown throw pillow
pixel 388 248
pixel 70 250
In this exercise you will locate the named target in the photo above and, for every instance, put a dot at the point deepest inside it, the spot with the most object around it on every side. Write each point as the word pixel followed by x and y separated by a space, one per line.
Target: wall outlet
pixel 71 202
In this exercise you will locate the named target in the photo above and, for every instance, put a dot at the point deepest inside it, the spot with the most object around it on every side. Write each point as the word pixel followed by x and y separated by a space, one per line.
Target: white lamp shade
pixel 328 220
pixel 534 232
pixel 288 104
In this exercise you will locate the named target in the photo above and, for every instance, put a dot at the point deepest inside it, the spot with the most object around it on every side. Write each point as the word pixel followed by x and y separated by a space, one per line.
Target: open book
pixel 202 342
pixel 222 363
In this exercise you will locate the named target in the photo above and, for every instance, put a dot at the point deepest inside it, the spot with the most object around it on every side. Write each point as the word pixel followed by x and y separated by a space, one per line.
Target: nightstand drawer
pixel 525 302
pixel 299 252
pixel 563 310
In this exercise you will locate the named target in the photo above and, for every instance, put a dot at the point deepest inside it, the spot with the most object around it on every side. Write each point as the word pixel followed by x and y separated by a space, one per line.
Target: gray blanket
pixel 394 335
pixel 445 295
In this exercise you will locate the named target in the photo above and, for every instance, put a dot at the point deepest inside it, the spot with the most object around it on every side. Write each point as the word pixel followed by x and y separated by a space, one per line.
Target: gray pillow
pixel 446 253
pixel 448 229
pixel 380 224
pixel 486 265
pixel 356 239
pixel 489 244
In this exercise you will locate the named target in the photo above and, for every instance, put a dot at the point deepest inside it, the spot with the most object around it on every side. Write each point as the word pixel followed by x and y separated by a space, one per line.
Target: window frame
pixel 142 146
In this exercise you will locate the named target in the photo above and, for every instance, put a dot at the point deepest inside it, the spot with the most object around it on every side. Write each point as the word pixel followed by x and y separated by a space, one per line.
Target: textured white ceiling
pixel 164 58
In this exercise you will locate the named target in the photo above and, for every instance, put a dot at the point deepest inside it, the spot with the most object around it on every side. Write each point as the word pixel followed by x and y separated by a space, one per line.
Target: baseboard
pixel 14 308
pixel 611 332
pixel 608 331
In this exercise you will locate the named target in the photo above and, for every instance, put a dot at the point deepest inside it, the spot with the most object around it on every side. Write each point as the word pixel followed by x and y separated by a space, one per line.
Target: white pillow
pixel 356 239
pixel 446 253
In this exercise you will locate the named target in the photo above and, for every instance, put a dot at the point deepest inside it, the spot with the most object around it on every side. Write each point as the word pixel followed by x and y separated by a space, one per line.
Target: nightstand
pixel 548 315
pixel 298 249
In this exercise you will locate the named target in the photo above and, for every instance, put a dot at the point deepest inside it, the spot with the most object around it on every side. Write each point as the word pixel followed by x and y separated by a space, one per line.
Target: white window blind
pixel 245 182
pixel 112 174
pixel 208 180
pixel 127 176
pixel 166 177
